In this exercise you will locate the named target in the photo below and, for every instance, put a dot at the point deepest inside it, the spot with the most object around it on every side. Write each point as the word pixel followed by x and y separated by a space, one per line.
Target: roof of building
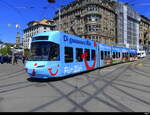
pixel 43 22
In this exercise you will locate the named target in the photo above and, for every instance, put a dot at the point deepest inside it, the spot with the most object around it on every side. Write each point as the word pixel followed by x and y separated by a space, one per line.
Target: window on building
pixel 68 54
pixel 93 27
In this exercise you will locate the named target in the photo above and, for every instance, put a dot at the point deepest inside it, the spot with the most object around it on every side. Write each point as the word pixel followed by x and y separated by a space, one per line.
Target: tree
pixel 6 50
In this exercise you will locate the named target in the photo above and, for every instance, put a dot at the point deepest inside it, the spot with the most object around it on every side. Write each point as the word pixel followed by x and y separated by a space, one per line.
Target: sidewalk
pixel 10 68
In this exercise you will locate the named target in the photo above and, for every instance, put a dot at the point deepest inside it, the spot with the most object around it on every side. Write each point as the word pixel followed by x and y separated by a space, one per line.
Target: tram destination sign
pixel 76 41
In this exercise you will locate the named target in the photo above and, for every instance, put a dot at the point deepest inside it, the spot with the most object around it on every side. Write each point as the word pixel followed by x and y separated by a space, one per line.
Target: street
pixel 120 88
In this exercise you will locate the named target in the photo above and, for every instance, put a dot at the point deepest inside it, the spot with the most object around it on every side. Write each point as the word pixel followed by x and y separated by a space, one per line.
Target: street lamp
pixel 59 16
pixel 13 52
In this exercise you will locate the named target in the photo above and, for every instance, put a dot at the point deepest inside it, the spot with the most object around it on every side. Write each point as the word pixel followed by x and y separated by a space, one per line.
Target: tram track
pixel 15 86
pixel 3 75
pixel 119 107
pixel 136 70
pixel 101 89
pixel 16 74
pixel 107 83
pixel 80 106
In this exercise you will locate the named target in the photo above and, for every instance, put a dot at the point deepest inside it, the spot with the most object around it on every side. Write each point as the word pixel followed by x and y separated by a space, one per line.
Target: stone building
pixel 144 40
pixel 91 19
pixel 35 27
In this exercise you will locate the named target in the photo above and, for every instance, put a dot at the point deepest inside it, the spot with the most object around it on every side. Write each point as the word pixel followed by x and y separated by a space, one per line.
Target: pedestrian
pixel 15 59
pixel 23 59
pixel 7 59
pixel 2 59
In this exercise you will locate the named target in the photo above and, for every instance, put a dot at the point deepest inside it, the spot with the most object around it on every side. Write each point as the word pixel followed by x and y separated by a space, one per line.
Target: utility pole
pixel 59 20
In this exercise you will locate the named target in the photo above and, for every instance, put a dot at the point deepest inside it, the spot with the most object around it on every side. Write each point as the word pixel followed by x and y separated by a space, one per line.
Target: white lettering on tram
pixel 72 69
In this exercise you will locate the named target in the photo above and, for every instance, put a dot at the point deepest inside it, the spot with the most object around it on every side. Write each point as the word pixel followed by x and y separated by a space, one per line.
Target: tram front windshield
pixel 44 51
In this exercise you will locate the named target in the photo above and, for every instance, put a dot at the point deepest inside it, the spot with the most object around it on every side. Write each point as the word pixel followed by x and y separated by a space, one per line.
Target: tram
pixel 58 54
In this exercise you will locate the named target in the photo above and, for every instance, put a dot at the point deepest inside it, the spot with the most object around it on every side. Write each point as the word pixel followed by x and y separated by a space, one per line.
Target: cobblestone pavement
pixel 119 88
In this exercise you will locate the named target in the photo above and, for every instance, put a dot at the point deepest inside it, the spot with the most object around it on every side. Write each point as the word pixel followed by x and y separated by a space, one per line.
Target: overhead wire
pixel 16 10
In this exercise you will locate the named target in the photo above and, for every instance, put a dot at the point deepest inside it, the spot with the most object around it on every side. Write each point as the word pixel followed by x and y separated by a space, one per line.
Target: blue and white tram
pixel 57 54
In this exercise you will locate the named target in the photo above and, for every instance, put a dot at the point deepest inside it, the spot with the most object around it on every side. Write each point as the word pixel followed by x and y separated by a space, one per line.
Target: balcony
pixel 92 12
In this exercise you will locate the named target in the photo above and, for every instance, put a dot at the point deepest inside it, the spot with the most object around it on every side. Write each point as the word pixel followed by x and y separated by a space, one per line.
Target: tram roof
pixel 58 37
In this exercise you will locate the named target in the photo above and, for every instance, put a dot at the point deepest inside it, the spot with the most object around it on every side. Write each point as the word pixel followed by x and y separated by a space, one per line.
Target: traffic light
pixel 51 1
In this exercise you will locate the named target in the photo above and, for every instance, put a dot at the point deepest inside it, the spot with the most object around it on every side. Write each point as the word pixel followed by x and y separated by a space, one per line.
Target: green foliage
pixel 6 50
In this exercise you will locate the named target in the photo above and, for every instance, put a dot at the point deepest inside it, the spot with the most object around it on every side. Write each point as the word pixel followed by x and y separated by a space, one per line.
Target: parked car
pixel 141 54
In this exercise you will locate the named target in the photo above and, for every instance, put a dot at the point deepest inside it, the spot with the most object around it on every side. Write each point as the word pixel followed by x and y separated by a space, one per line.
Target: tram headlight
pixel 33 72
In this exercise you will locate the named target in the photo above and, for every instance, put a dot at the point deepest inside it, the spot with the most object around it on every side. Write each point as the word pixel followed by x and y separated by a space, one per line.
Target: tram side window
pixel 54 54
pixel 108 54
pixel 116 54
pixel 105 54
pixel 119 54
pixel 93 54
pixel 102 55
pixel 122 55
pixel 113 55
pixel 68 54
pixel 88 54
pixel 130 55
pixel 79 52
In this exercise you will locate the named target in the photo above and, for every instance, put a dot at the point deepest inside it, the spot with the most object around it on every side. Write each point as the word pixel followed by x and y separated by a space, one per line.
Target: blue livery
pixel 58 54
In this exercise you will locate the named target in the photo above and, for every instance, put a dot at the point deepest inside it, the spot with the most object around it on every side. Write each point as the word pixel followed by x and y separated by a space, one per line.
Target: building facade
pixel 127 26
pixel 35 27
pixel 144 40
pixel 2 45
pixel 17 39
pixel 90 19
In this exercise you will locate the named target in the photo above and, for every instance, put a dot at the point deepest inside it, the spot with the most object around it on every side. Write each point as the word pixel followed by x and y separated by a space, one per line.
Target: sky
pixel 21 12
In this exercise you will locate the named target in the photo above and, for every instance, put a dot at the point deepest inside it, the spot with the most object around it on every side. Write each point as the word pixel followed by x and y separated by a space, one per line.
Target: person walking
pixel 15 60
pixel 6 59
pixel 9 59
pixel 23 59
pixel 2 59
